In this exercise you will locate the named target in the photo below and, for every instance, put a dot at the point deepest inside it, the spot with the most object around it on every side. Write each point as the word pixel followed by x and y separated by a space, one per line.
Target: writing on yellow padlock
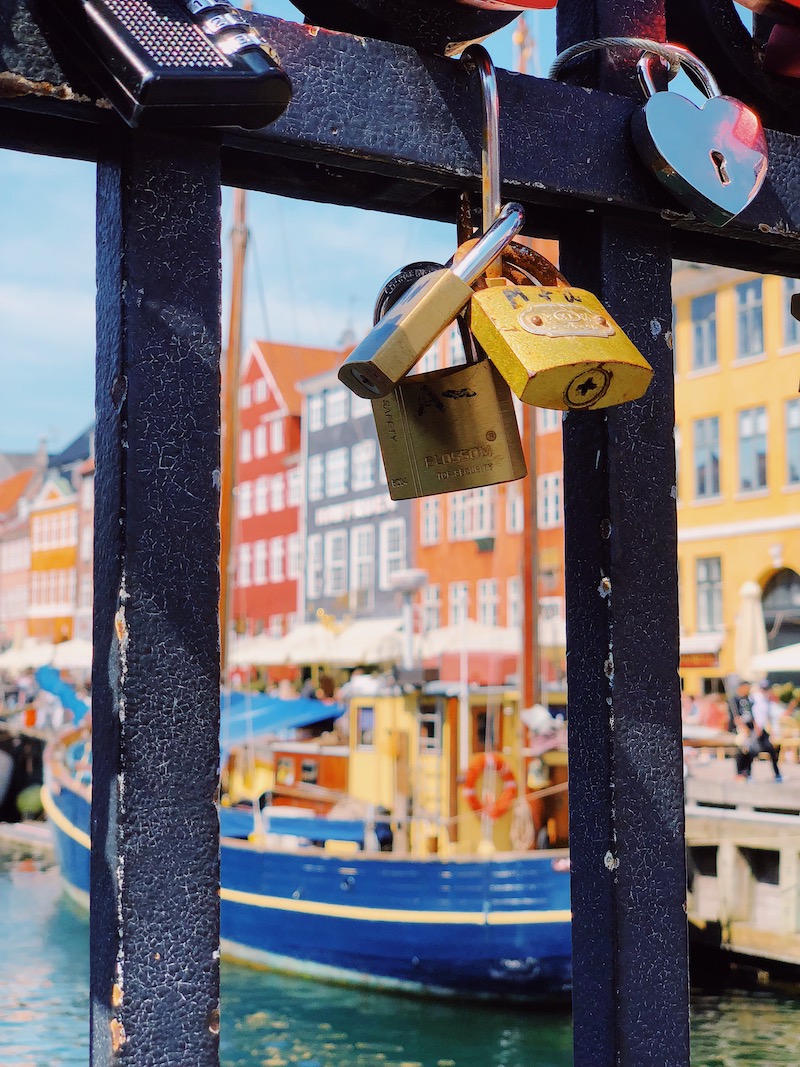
pixel 557 347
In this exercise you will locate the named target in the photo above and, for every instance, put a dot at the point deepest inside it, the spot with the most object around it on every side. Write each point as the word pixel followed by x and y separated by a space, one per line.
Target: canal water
pixel 272 1021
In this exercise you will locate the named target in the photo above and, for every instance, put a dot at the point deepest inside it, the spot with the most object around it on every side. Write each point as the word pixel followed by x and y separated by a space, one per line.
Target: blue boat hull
pixel 485 928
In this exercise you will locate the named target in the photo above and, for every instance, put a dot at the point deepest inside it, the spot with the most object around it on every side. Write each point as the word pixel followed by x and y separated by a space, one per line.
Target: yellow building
pixel 54 556
pixel 737 364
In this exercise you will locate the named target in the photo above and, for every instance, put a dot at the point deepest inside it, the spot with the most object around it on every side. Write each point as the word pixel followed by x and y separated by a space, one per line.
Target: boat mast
pixel 230 417
pixel 529 660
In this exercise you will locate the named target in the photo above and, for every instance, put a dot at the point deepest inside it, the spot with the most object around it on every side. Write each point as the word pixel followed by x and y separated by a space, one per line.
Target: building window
pixel 362 567
pixel 294 556
pixel 471 514
pixel 430 527
pixel 245 447
pixel 458 603
pixel 791 326
pixel 277 493
pixel 392 550
pixel 276 554
pixel 245 500
pixel 363 465
pixel 276 626
pixel 514 601
pixel 87 493
pixel 549 501
pixel 752 449
pixel 336 406
pixel 86 544
pixel 365 726
pixel 259 563
pixel 260 441
pixel 359 407
pixel 314 567
pixel 515 508
pixel 457 516
pixel 245 394
pixel 244 566
pixel 316 477
pixel 430 728
pixel 488 601
pixel 336 472
pixel 706 457
pixel 431 608
pixel 704 331
pixel 260 390
pixel 547 420
pixel 294 487
pixel 482 504
pixel 335 569
pixel 749 319
pixel 316 413
pixel 276 436
pixel 86 591
pixel 709 595
pixel 291 621
pixel 261 502
pixel 793 442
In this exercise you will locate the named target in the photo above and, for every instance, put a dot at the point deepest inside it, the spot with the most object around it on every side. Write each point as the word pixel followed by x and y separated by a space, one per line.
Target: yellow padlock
pixel 557 347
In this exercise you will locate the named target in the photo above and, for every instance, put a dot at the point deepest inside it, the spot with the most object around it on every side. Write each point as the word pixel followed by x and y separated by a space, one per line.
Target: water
pixel 274 1021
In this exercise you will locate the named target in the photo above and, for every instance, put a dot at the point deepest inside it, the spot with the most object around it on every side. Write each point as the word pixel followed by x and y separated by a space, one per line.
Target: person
pixel 759 739
pixel 740 712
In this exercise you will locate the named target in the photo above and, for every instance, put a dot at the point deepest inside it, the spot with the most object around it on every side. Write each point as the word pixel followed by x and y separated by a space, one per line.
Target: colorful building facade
pixel 53 560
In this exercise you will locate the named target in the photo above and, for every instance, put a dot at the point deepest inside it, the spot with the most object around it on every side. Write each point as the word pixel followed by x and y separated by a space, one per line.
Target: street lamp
pixel 407 582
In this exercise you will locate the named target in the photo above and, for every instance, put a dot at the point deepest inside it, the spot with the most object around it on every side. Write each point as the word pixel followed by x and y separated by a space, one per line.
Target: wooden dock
pixel 743 849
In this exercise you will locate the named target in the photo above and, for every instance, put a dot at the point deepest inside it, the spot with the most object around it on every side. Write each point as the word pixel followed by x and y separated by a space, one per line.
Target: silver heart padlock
pixel 712 158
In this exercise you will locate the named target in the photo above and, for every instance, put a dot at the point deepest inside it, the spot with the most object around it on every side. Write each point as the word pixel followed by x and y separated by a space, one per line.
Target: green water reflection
pixel 272 1021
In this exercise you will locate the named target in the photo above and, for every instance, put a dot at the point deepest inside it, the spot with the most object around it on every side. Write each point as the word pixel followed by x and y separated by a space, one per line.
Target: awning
pixel 368 641
pixel 261 651
pixel 779 659
pixel 701 644
pixel 311 642
pixel 248 716
pixel 471 636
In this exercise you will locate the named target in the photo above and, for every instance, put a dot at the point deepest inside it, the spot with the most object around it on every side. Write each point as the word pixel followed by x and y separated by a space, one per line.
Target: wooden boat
pixel 376 863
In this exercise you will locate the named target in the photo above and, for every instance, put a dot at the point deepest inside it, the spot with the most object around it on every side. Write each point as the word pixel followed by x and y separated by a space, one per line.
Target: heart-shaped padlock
pixel 712 158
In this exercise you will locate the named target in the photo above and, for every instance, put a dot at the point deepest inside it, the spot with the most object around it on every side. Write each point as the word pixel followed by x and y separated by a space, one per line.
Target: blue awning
pixel 49 679
pixel 249 716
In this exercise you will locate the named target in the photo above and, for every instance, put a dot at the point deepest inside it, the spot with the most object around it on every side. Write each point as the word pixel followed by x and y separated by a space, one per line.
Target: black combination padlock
pixel 175 63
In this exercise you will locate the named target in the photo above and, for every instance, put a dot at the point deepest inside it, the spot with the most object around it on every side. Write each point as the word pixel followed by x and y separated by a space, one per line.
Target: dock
pixel 743 853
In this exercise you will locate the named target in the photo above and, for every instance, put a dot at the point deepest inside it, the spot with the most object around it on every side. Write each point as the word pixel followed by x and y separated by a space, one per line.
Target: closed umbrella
pixel 750 639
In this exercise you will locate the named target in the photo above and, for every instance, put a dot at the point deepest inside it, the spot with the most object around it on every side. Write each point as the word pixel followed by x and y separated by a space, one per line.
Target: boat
pixel 361 858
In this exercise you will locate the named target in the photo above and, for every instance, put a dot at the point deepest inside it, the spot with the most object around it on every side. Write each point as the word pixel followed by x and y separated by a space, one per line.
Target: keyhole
pixel 718 160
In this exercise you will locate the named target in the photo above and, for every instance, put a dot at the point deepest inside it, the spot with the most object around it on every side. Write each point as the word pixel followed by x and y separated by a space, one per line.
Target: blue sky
pixel 47 273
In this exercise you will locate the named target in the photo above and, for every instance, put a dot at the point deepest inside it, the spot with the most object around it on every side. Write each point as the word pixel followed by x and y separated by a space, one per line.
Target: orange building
pixel 15 494
pixel 53 560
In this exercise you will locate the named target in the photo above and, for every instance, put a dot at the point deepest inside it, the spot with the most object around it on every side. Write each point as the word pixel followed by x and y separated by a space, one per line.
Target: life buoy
pixel 494 807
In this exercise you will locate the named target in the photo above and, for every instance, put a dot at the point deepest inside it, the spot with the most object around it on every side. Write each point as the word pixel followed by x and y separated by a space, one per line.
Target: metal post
pixel 154 933
pixel 631 997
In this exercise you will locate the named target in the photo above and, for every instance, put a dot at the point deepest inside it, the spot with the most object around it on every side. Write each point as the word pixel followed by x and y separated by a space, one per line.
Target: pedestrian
pixel 759 740
pixel 740 712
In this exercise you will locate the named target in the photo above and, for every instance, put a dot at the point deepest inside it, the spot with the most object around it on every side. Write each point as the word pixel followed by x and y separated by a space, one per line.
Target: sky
pixel 47 271
pixel 47 285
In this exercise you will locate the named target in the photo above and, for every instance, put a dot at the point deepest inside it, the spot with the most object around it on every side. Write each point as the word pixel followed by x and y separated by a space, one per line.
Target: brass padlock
pixel 448 430
pixel 557 347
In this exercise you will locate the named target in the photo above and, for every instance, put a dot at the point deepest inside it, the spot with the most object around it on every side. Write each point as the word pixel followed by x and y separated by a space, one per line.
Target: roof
pixel 11 489
pixel 290 364
pixel 76 450
pixel 14 462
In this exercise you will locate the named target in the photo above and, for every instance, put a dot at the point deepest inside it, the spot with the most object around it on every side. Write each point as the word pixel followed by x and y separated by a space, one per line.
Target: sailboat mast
pixel 230 416
pixel 529 661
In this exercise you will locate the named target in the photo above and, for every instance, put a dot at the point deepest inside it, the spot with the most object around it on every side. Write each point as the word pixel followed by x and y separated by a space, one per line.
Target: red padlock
pixel 782 55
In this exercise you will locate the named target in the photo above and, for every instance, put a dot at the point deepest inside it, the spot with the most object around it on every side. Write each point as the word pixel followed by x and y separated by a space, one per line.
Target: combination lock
pixel 172 62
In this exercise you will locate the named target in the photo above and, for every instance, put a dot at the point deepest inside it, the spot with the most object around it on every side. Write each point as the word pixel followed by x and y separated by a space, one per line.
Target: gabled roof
pixel 76 451
pixel 15 462
pixel 55 489
pixel 286 365
pixel 13 488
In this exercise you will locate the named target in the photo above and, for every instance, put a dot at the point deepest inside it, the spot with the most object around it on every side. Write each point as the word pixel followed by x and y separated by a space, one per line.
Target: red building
pixel 267 533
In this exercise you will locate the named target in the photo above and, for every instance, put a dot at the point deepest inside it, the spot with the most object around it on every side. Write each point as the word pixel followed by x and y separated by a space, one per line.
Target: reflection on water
pixel 271 1021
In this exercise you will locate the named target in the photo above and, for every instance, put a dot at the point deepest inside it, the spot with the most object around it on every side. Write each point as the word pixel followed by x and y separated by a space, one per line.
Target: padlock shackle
pixel 476 57
pixel 694 67
pixel 490 245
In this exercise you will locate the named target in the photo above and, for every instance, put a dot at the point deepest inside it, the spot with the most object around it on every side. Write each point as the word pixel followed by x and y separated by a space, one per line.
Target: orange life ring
pixel 494 807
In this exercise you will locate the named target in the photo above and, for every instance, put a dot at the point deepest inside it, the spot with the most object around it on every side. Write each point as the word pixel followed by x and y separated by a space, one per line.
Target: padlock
pixel 400 339
pixel 173 62
pixel 782 54
pixel 511 5
pixel 783 11
pixel 556 346
pixel 712 158
pixel 449 430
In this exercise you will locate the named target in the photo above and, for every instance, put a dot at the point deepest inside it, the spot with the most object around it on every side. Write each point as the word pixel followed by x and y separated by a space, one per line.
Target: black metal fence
pixel 382 126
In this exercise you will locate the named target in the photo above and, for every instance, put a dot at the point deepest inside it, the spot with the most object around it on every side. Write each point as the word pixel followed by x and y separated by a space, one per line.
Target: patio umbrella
pixel 75 655
pixel 309 643
pixel 779 659
pixel 471 636
pixel 260 651
pixel 31 654
pixel 750 639
pixel 368 641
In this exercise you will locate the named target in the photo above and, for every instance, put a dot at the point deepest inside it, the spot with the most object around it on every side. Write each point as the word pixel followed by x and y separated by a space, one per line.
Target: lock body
pixel 449 430
pixel 168 63
pixel 557 347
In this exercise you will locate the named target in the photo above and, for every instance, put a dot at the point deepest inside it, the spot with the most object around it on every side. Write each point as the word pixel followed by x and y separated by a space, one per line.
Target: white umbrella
pixel 260 651
pixel 309 643
pixel 31 654
pixel 750 639
pixel 471 636
pixel 74 655
pixel 779 659
pixel 368 641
